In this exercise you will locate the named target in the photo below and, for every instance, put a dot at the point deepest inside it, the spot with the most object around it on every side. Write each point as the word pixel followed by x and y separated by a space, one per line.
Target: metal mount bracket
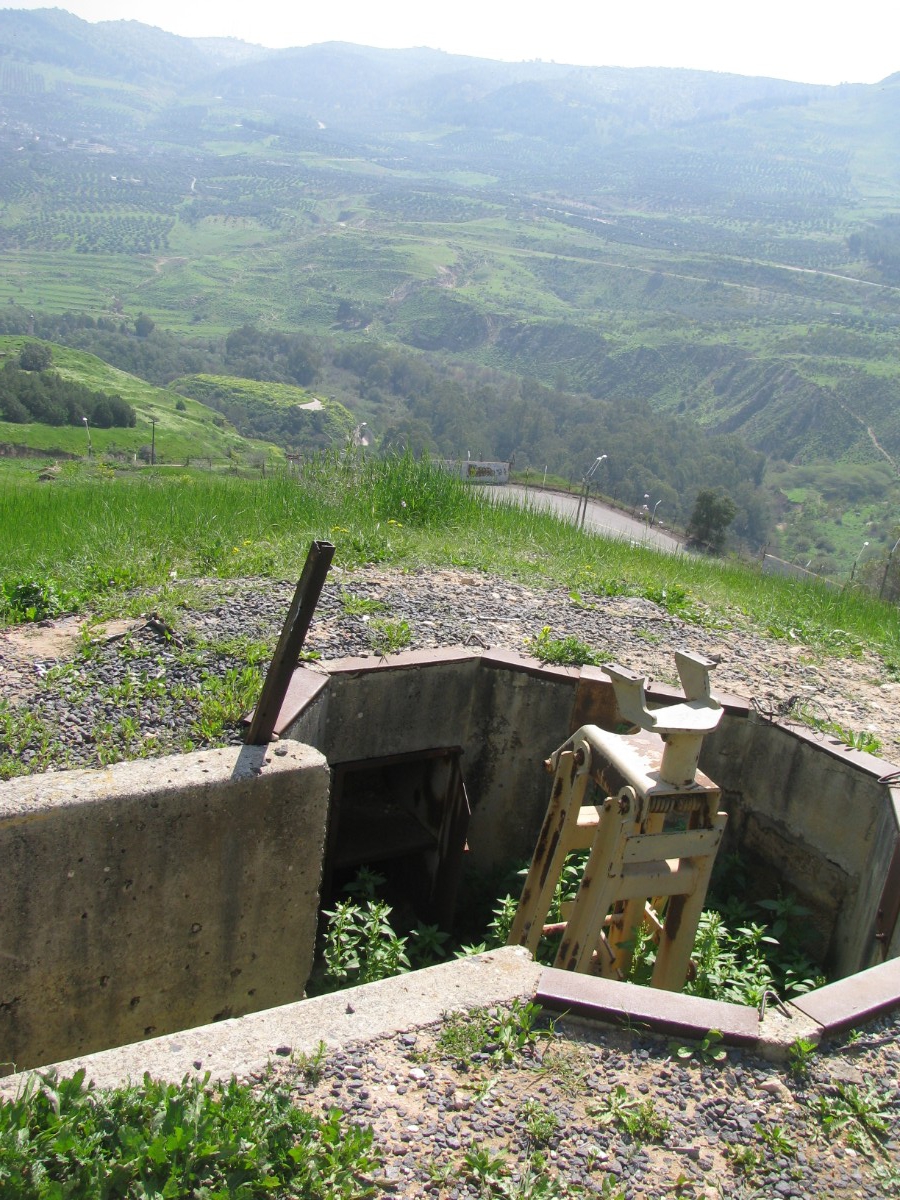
pixel 682 726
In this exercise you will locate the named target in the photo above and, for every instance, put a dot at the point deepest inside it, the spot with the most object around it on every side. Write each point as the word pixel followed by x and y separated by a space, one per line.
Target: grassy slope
pixel 195 432
pixel 89 528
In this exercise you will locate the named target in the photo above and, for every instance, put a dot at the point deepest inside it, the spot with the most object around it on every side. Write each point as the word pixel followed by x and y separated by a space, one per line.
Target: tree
pixel 713 513
pixel 35 357
pixel 143 325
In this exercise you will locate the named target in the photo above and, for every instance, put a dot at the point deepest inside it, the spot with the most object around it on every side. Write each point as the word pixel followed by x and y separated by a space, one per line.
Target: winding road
pixel 600 518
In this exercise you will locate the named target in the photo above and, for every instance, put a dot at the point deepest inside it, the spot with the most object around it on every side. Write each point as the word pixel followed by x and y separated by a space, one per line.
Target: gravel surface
pixel 149 688
pixel 739 1128
pixel 77 694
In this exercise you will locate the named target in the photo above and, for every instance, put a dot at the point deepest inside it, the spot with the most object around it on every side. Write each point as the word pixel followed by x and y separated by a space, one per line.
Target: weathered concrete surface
pixel 526 714
pixel 811 818
pixel 156 895
pixel 807 815
pixel 506 712
pixel 239 1047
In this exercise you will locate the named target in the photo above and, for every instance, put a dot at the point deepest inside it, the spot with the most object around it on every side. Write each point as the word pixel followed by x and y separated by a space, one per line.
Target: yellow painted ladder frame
pixel 635 864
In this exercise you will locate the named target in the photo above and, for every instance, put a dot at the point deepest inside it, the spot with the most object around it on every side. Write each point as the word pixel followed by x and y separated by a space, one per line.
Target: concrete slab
pixel 666 1012
pixel 245 1045
pixel 855 1000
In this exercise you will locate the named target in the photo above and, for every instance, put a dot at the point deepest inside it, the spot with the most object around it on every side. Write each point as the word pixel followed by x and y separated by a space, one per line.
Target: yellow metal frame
pixel 652 841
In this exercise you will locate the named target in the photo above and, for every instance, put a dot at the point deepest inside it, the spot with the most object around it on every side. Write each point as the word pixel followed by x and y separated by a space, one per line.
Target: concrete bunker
pixel 157 896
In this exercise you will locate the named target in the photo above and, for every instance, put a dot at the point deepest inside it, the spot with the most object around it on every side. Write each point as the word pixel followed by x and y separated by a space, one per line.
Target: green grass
pixel 93 533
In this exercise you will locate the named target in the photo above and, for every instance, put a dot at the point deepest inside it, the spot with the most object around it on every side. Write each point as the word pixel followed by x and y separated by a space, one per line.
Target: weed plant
pixel 638 1118
pixel 496 1035
pixel 61 1138
pixel 563 652
pixel 853 738
pixel 735 957
pixel 863 1114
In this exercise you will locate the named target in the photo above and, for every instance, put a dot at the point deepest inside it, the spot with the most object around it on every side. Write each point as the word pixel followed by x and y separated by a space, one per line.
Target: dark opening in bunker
pixel 408 815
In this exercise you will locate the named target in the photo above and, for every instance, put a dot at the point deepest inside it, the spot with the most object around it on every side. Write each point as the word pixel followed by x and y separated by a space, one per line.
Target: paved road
pixel 609 521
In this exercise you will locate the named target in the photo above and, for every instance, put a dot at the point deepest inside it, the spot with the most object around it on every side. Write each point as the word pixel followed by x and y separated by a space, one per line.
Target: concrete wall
pixel 156 895
pixel 814 816
pixel 504 712
pixel 807 816
pixel 159 895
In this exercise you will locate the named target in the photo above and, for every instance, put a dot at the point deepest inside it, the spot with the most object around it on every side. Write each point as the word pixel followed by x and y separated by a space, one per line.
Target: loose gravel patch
pixel 741 1128
pixel 93 697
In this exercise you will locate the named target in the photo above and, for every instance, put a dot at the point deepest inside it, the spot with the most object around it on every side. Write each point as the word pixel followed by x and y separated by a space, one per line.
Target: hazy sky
pixel 790 39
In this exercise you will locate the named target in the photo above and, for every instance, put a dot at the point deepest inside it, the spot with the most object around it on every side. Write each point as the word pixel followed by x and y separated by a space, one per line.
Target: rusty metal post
pixel 293 635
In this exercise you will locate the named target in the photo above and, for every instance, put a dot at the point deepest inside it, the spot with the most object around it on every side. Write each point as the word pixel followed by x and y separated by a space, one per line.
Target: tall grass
pixel 86 534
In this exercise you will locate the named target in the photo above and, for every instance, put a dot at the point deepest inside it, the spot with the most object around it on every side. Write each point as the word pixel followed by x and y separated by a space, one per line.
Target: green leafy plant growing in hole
pixel 361 945
pixel 389 637
pixel 365 884
pixel 800 1057
pixel 187 1139
pixel 708 1051
pixel 638 1118
pixel 739 959
pixel 564 652
pixel 427 945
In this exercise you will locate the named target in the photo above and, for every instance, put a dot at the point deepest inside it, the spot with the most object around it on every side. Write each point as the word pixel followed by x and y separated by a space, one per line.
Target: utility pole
pixel 153 443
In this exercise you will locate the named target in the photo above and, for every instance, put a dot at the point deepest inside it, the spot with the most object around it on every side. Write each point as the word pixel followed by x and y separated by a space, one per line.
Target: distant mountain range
pixel 725 248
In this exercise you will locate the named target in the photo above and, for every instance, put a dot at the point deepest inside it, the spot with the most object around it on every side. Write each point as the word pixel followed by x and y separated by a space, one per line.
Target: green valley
pixel 607 246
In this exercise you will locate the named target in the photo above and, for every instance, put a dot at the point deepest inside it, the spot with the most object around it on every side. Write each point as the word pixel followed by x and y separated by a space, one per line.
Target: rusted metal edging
pixel 293 635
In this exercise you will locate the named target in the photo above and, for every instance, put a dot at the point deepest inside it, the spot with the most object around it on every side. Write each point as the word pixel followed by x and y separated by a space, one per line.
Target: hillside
pixel 179 428
pixel 278 412
pixel 715 246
